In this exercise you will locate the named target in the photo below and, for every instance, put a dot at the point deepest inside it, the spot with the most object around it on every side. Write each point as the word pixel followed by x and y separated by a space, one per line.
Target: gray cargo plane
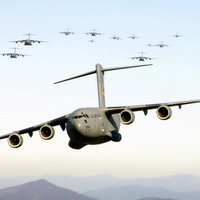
pixel 141 58
pixel 133 37
pixel 176 35
pixel 161 45
pixel 67 32
pixel 13 55
pixel 93 33
pixel 28 42
pixel 97 125
pixel 115 38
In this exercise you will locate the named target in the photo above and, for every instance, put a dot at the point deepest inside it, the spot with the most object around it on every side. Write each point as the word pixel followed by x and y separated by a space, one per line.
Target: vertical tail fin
pixel 100 85
pixel 100 79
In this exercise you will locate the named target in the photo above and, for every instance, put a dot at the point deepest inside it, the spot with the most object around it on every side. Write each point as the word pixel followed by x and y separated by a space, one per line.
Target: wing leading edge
pixel 55 122
pixel 145 108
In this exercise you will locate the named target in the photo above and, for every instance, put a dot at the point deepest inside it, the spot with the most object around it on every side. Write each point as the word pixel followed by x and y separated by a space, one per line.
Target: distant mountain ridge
pixel 44 190
pixel 40 190
pixel 136 192
pixel 153 198
pixel 178 183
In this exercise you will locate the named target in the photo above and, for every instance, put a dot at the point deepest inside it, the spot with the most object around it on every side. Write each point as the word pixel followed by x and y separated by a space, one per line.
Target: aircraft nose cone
pixel 78 126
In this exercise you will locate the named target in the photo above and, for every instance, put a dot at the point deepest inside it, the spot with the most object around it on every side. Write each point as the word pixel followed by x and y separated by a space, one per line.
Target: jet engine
pixel 127 117
pixel 46 132
pixel 164 112
pixel 15 140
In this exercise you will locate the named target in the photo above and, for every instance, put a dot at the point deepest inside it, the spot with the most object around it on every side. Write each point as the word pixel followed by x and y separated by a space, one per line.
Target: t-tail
pixel 100 80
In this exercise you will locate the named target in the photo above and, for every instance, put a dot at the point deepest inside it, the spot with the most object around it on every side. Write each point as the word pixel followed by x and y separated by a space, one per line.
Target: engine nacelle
pixel 127 117
pixel 164 112
pixel 15 140
pixel 46 132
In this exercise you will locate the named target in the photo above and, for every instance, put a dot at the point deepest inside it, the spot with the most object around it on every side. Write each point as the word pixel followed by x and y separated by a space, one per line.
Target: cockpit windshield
pixel 81 116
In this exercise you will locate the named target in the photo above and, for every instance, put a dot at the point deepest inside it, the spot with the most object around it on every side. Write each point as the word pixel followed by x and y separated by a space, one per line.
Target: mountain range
pixel 135 192
pixel 104 187
pixel 178 182
pixel 40 190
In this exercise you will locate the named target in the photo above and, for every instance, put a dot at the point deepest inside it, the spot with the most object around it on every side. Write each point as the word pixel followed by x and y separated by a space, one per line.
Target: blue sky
pixel 149 147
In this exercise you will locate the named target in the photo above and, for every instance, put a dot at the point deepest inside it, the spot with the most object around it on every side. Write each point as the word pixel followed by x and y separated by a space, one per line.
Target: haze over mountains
pixel 43 190
pixel 178 183
pixel 135 192
pixel 40 190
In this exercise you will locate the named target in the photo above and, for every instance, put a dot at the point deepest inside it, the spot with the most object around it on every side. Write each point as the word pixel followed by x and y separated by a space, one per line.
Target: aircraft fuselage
pixel 27 42
pixel 92 126
pixel 13 55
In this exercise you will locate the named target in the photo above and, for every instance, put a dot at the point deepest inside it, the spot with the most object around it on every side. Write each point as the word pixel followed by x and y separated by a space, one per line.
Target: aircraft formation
pixel 92 125
pixel 94 33
pixel 29 42
pixel 26 42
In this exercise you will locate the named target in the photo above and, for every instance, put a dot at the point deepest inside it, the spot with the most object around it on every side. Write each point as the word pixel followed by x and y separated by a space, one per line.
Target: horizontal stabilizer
pixel 103 70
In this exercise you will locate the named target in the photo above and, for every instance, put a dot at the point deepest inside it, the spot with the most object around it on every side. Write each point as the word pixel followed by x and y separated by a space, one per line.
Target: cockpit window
pixel 86 116
pixel 80 116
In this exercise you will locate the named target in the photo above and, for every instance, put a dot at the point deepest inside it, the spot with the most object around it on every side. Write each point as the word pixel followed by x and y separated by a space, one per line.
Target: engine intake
pixel 127 117
pixel 164 112
pixel 15 140
pixel 46 132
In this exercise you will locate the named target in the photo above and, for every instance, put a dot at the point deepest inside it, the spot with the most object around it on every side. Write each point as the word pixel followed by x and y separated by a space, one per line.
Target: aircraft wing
pixel 5 54
pixel 55 122
pixel 17 41
pixel 134 57
pixel 10 54
pixel 38 41
pixel 17 54
pixel 145 108
pixel 147 58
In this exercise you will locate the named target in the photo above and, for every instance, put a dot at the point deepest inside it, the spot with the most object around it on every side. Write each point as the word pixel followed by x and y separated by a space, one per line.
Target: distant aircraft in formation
pixel 28 42
pixel 161 45
pixel 115 38
pixel 133 37
pixel 13 55
pixel 177 35
pixel 91 40
pixel 97 125
pixel 67 32
pixel 141 58
pixel 94 33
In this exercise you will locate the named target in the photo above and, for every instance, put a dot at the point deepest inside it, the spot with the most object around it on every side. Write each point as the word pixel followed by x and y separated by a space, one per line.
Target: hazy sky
pixel 149 147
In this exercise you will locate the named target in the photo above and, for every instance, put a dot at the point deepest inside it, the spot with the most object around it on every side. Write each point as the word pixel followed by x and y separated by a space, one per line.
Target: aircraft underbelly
pixel 87 133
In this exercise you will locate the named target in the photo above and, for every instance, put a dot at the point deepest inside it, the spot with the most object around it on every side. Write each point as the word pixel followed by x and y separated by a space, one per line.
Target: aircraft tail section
pixel 100 79
pixel 100 85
